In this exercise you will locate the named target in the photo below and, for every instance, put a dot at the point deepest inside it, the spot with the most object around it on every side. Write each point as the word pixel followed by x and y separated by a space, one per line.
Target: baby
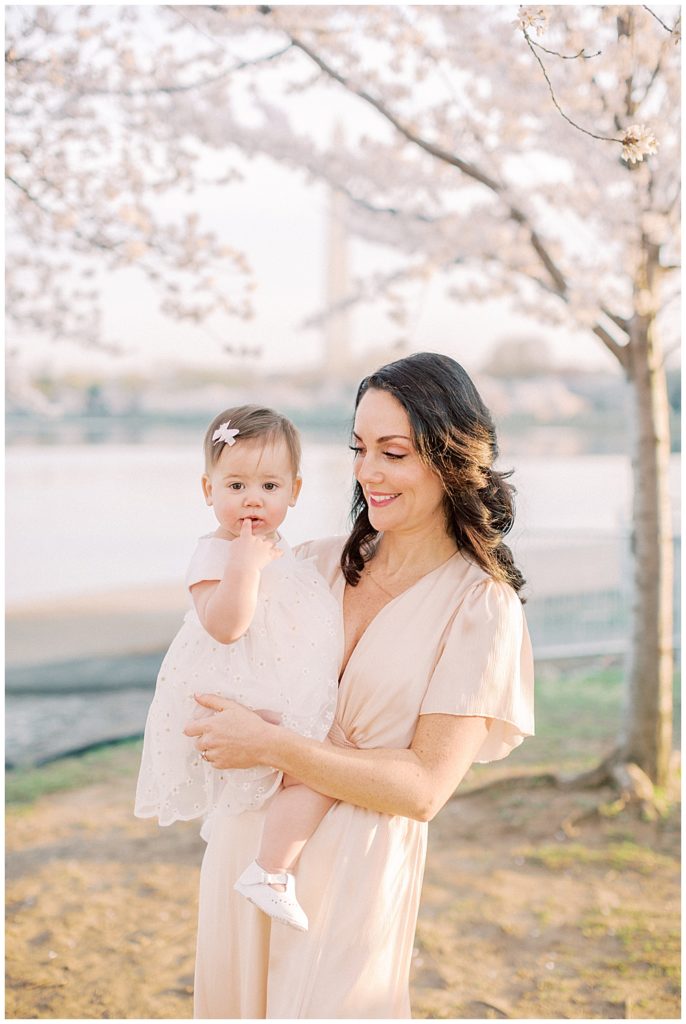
pixel 264 630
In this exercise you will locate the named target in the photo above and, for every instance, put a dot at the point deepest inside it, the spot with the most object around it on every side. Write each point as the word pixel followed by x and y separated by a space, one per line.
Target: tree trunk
pixel 646 734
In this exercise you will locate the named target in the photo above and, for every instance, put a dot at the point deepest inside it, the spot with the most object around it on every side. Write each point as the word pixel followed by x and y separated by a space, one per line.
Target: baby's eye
pixel 235 486
pixel 270 486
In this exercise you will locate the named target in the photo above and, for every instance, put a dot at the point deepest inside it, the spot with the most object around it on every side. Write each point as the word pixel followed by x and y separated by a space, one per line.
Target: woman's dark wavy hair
pixel 454 434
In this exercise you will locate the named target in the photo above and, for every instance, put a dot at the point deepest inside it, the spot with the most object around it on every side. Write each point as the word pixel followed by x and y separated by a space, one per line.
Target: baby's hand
pixel 253 552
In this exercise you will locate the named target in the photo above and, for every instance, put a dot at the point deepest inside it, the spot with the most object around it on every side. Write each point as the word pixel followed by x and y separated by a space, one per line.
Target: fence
pixel 579 593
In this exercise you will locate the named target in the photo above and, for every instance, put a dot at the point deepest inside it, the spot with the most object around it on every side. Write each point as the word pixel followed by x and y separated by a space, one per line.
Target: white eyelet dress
pixel 287 662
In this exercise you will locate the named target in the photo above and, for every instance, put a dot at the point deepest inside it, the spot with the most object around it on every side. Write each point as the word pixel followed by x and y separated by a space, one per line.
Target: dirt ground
pixel 518 920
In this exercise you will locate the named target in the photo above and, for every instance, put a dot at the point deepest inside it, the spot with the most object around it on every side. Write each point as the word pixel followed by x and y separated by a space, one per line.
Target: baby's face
pixel 253 481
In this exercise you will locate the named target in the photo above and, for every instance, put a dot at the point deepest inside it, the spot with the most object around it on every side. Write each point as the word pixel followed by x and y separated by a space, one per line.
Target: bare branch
pixel 601 138
pixel 666 27
pixel 619 351
pixel 620 321
pixel 653 77
pixel 389 210
pixel 563 56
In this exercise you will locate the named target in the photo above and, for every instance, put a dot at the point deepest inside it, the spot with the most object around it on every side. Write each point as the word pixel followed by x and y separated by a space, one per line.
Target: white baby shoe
pixel 283 906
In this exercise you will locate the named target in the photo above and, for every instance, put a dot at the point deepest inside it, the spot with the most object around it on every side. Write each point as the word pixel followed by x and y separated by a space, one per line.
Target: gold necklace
pixel 387 592
pixel 373 578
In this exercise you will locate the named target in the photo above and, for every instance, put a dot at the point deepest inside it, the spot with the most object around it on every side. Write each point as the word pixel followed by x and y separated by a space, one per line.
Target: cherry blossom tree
pixel 528 152
pixel 98 179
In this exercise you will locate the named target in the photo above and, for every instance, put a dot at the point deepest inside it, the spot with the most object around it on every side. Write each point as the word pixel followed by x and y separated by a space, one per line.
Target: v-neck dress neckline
pixel 340 591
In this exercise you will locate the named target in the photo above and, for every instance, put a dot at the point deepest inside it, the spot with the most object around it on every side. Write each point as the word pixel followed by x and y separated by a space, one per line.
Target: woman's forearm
pixel 389 781
pixel 414 782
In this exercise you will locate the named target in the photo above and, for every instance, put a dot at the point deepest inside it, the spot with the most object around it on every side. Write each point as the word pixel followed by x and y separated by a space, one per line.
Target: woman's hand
pixel 233 737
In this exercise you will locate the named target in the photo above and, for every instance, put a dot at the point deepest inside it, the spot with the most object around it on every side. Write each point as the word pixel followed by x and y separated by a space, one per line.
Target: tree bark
pixel 646 732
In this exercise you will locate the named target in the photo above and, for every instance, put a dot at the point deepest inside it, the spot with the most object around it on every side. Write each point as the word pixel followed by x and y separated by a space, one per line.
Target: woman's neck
pixel 402 553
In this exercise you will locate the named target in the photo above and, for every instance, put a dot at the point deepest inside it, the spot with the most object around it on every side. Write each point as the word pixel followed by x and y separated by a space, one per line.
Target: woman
pixel 437 674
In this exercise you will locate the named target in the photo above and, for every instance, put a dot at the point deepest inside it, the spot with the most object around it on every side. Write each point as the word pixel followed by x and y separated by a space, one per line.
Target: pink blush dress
pixel 454 643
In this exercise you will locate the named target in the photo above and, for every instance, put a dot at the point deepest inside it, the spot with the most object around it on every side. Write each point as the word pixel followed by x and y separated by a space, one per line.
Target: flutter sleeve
pixel 485 668
pixel 208 560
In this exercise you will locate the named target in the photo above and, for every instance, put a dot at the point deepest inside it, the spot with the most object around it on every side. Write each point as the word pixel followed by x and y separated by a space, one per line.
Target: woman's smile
pixel 379 500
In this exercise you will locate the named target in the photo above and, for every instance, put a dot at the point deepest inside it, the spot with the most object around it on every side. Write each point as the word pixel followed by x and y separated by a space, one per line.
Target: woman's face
pixel 402 493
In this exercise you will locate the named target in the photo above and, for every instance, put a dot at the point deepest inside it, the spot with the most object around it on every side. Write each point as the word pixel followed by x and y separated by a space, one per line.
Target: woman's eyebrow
pixel 386 437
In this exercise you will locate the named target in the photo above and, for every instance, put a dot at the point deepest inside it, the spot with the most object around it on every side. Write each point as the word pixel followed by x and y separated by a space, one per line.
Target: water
pixel 85 519
pixel 90 518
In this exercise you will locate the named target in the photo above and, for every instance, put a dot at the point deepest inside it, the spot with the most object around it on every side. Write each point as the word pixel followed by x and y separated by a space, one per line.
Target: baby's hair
pixel 251 422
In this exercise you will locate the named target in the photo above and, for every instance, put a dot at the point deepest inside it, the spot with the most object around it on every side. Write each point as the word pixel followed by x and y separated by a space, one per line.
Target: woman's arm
pixel 414 783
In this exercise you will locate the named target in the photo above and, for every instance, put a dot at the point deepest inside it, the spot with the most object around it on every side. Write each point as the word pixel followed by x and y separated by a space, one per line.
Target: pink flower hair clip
pixel 225 434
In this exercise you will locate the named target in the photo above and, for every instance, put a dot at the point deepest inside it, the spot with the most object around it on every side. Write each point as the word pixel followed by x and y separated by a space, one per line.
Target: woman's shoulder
pixel 326 553
pixel 482 595
pixel 320 546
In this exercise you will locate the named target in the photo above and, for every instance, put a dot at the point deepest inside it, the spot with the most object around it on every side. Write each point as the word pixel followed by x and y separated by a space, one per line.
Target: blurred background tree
pixel 527 151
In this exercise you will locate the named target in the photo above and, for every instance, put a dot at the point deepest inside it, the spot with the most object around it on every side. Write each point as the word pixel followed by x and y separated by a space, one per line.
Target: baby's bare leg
pixel 293 815
pixel 291 819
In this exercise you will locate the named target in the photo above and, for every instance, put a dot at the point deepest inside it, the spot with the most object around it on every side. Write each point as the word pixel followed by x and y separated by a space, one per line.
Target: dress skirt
pixel 358 879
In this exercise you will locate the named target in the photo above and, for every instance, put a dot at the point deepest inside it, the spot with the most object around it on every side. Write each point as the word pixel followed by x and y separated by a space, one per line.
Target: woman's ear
pixel 207 488
pixel 297 484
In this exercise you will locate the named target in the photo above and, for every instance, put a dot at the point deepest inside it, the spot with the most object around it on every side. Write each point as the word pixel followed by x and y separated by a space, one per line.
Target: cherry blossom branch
pixel 154 90
pixel 106 246
pixel 618 350
pixel 471 170
pixel 441 154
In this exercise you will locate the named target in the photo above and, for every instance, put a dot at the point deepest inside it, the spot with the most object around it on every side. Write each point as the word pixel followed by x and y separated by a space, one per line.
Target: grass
pixel 103 763
pixel 622 856
pixel 648 942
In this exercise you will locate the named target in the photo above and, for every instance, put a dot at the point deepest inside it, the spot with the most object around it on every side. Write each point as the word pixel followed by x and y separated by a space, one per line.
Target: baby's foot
pixel 257 885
